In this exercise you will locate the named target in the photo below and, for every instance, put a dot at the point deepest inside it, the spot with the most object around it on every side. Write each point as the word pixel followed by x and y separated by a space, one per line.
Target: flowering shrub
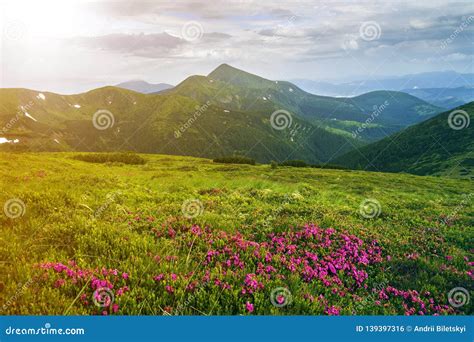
pixel 101 288
pixel 314 271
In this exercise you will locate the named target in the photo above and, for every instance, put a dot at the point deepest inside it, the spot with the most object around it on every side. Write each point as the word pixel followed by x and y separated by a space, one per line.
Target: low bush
pixel 294 163
pixel 117 157
pixel 235 160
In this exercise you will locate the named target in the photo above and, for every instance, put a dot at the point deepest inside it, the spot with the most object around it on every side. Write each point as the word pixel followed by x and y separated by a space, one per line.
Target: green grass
pixel 88 212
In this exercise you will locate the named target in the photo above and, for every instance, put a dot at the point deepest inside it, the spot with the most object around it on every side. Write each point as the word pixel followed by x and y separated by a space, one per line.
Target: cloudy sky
pixel 71 46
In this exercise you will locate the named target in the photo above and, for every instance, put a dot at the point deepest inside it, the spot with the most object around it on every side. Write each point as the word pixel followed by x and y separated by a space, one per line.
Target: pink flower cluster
pixel 415 303
pixel 95 281
pixel 315 255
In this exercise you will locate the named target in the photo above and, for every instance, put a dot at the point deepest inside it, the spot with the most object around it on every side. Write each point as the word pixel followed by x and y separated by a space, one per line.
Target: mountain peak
pixel 225 69
pixel 229 74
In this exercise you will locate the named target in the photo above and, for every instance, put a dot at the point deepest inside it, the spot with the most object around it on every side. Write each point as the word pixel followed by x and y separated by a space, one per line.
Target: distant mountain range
pixel 443 145
pixel 227 112
pixel 444 89
pixel 235 89
pixel 444 97
pixel 144 87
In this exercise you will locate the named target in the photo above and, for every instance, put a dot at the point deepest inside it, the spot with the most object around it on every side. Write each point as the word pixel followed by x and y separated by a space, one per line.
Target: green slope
pixel 429 148
pixel 149 123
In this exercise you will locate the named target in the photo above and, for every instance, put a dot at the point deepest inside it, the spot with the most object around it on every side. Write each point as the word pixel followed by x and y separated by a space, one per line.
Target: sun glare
pixel 42 18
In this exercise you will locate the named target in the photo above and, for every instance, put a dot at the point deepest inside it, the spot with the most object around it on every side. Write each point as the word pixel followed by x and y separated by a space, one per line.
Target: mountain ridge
pixel 230 111
pixel 143 86
pixel 231 86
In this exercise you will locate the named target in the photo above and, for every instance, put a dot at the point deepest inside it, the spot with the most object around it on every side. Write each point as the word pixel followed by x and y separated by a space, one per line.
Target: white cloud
pixel 110 41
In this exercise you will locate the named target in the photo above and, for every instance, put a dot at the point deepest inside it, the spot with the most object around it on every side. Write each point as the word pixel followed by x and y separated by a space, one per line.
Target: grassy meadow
pixel 187 236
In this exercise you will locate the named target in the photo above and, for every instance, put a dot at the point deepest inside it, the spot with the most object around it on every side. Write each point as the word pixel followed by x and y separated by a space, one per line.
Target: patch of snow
pixel 264 98
pixel 226 111
pixel 290 89
pixel 211 81
pixel 5 140
pixel 56 141
pixel 77 106
pixel 29 116
pixel 41 96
